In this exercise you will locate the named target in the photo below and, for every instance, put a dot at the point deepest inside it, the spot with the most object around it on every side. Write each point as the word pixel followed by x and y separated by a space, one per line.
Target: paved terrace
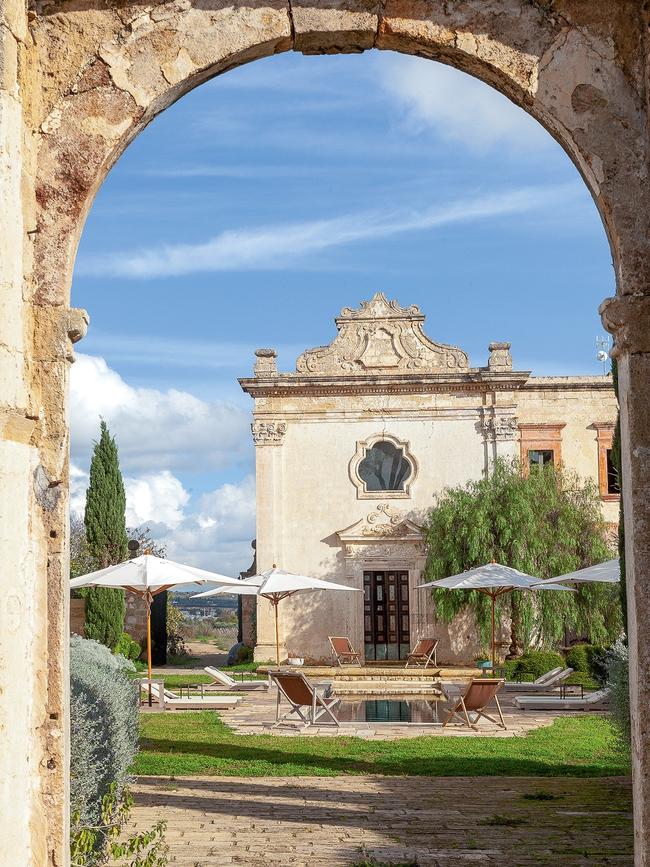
pixel 515 821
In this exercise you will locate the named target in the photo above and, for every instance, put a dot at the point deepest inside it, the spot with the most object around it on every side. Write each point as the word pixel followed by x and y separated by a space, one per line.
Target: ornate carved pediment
pixel 381 337
pixel 383 522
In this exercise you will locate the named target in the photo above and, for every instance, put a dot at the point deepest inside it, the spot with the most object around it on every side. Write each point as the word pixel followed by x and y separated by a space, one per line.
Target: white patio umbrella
pixel 608 572
pixel 147 576
pixel 493 580
pixel 276 584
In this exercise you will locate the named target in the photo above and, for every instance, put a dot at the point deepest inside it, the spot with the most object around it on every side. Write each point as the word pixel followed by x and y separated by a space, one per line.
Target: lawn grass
pixel 200 743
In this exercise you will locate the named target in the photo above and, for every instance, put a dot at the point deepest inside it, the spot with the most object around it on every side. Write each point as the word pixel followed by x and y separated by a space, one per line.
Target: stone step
pixel 386 688
pixel 376 673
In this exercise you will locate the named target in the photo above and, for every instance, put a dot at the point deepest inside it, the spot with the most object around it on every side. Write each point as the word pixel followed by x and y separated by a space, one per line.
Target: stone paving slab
pixel 335 821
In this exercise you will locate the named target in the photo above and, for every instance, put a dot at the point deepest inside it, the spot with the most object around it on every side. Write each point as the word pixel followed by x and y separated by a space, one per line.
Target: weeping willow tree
pixel 545 525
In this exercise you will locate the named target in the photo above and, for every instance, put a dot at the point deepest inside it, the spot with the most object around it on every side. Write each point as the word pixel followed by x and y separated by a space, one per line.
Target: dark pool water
pixel 393 710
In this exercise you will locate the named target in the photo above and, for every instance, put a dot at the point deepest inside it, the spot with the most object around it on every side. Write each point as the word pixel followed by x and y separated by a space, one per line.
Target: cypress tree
pixel 105 523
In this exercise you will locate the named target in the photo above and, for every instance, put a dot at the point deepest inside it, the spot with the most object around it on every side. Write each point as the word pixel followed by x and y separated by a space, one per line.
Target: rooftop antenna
pixel 603 346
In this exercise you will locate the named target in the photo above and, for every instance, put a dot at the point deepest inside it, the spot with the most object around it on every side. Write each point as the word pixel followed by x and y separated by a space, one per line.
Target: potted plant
pixel 293 659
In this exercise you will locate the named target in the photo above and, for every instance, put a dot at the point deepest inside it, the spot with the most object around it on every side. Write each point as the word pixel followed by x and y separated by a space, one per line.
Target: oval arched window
pixel 384 468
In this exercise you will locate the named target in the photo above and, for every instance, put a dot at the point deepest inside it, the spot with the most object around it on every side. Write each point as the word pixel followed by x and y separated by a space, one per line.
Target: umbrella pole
pixel 493 598
pixel 148 599
pixel 277 633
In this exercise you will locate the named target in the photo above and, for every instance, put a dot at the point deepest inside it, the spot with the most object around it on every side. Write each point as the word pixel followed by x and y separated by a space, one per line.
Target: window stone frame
pixel 363 447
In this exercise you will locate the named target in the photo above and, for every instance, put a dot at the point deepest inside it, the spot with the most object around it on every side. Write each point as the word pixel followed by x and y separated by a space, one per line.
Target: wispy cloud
pixel 143 349
pixel 239 172
pixel 454 106
pixel 285 246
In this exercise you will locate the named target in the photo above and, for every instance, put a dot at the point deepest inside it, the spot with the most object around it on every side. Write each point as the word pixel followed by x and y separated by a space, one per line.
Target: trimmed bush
pixel 618 680
pixel 535 663
pixel 588 659
pixel 103 729
pixel 578 658
pixel 128 647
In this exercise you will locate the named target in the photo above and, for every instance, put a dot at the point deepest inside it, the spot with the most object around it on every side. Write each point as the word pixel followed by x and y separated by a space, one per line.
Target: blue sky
pixel 261 203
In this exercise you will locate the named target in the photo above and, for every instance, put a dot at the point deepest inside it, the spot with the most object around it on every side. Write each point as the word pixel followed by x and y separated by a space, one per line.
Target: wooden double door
pixel 386 614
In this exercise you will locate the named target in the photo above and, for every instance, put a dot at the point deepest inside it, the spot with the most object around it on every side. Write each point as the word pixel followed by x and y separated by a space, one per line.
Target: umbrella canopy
pixel 492 576
pixel 493 580
pixel 148 575
pixel 608 572
pixel 276 584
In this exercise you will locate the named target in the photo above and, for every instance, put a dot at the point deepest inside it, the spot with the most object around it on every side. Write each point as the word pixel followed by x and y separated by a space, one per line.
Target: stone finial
pixel 500 359
pixel 265 364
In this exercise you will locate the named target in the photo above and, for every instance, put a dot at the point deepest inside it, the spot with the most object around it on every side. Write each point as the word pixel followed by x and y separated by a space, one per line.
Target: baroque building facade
pixel 353 448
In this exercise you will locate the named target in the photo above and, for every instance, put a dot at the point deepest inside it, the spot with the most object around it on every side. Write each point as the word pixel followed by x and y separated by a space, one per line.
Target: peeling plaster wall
pixel 78 80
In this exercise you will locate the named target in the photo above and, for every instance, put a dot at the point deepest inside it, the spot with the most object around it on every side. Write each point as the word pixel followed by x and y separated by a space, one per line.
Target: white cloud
pixel 155 497
pixel 213 532
pixel 458 107
pixel 218 534
pixel 78 485
pixel 282 246
pixel 155 430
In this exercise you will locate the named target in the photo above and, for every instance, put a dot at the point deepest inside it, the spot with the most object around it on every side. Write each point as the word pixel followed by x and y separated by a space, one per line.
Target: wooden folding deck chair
pixel 478 695
pixel 343 651
pixel 423 654
pixel 305 700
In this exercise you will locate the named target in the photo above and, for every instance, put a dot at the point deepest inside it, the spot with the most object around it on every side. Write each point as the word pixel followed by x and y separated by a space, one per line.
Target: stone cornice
pixel 569 383
pixel 477 380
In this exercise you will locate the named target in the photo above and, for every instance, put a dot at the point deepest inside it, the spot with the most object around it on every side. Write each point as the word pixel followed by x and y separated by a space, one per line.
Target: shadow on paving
pixel 518 821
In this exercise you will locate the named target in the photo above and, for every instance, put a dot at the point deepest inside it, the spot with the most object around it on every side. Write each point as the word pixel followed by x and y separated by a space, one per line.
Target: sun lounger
pixel 225 681
pixel 172 701
pixel 343 651
pixel 551 680
pixel 478 695
pixel 423 654
pixel 598 700
pixel 307 703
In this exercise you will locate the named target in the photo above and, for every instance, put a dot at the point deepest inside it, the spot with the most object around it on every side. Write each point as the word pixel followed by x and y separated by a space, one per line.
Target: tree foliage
pixel 105 523
pixel 104 517
pixel 545 525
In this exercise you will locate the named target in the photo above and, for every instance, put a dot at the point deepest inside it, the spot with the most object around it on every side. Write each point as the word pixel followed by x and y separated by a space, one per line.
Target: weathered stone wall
pixel 77 82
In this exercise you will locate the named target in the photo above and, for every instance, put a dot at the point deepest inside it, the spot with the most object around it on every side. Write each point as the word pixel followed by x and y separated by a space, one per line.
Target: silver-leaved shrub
pixel 103 727
pixel 618 681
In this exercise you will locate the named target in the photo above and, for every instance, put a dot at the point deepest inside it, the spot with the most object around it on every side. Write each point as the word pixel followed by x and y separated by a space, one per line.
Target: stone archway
pixel 78 80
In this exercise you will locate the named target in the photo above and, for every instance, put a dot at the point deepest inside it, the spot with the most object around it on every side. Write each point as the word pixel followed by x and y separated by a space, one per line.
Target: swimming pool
pixel 397 709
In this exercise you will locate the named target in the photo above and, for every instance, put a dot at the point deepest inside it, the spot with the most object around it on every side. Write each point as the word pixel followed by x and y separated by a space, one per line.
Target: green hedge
pixel 588 659
pixel 535 663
